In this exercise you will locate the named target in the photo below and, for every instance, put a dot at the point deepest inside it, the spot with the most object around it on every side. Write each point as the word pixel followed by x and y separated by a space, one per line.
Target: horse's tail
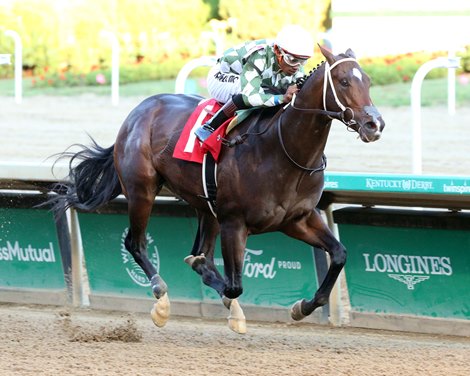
pixel 91 183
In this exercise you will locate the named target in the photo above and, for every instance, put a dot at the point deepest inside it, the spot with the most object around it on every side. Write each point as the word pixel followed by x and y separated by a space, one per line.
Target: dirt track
pixel 56 341
pixel 52 341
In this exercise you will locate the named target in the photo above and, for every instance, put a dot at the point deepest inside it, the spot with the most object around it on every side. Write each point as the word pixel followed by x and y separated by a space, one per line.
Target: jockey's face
pixel 288 63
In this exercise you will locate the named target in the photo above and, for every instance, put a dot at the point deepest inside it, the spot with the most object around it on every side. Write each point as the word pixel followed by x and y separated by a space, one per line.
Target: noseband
pixel 341 116
pixel 332 115
pixel 328 82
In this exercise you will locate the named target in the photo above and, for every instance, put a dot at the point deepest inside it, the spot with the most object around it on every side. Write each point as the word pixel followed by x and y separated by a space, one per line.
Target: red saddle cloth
pixel 188 147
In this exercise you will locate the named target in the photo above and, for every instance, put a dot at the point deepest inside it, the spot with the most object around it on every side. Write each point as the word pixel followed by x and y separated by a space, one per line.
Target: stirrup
pixel 203 132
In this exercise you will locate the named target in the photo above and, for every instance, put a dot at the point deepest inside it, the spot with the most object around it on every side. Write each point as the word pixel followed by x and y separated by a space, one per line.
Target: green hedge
pixel 401 68
pixel 382 71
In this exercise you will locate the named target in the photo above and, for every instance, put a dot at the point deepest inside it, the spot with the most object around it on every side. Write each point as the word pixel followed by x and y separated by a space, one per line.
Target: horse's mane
pixel 267 113
pixel 301 81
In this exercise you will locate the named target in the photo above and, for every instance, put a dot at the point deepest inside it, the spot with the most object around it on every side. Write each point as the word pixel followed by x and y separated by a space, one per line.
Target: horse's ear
pixel 351 53
pixel 328 55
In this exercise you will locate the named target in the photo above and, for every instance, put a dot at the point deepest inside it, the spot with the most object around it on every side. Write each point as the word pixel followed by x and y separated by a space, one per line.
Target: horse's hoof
pixel 190 260
pixel 236 320
pixel 161 311
pixel 296 311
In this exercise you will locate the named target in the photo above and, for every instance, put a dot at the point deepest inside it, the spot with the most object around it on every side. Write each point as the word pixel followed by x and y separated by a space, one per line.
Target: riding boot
pixel 220 117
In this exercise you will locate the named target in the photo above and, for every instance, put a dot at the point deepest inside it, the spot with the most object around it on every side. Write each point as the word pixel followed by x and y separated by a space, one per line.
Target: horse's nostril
pixel 371 126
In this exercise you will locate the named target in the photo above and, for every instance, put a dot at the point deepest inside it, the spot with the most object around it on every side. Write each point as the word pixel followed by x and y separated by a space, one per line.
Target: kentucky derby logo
pixel 132 268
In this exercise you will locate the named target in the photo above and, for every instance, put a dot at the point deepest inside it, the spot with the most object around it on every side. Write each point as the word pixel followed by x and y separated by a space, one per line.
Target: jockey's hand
pixel 291 90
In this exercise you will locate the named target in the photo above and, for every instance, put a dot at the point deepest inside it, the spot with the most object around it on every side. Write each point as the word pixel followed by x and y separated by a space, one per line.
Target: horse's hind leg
pixel 136 243
pixel 140 207
pixel 139 181
pixel 313 230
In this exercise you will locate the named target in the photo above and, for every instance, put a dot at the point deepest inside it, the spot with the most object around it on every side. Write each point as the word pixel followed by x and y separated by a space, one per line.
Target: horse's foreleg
pixel 233 242
pixel 201 261
pixel 315 232
pixel 233 238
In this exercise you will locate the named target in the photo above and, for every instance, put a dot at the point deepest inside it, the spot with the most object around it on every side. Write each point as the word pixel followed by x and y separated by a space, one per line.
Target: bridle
pixel 341 115
pixel 328 82
pixel 344 109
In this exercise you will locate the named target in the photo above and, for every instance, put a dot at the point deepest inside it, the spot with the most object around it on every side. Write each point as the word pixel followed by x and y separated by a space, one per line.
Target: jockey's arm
pixel 253 93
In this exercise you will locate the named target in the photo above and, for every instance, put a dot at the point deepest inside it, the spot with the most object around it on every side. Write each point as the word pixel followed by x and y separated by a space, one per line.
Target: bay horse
pixel 272 181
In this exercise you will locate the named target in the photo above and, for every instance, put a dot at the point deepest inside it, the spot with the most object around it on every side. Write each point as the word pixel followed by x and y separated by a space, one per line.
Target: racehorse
pixel 270 179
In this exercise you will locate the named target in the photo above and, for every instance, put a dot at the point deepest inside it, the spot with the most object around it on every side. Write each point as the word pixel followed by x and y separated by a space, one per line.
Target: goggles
pixel 291 59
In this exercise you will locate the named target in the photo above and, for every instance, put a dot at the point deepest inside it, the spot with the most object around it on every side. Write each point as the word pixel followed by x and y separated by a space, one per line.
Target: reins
pixel 308 169
pixel 331 114
pixel 340 115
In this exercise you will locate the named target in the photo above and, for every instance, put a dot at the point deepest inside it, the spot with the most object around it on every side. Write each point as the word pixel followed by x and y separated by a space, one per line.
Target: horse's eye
pixel 344 82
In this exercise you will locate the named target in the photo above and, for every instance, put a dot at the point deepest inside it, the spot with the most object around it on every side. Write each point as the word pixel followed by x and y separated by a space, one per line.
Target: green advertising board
pixel 277 270
pixel 407 267
pixel 112 270
pixel 29 251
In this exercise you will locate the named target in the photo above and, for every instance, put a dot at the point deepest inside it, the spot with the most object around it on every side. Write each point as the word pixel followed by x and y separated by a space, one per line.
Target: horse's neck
pixel 307 132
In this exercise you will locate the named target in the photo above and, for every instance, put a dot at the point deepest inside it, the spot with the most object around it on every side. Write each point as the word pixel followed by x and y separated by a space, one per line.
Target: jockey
pixel 258 73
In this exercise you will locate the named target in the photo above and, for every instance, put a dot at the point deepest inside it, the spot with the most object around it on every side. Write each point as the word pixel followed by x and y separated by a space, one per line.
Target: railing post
pixel 188 67
pixel 451 85
pixel 77 260
pixel 114 65
pixel 416 84
pixel 18 64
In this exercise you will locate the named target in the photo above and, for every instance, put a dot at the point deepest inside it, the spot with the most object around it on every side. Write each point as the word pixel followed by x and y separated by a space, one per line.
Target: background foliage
pixel 64 45
pixel 67 35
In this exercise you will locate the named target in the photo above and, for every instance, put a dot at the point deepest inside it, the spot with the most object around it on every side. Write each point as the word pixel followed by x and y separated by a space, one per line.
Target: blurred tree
pixel 266 17
pixel 31 20
pixel 214 8
pixel 65 35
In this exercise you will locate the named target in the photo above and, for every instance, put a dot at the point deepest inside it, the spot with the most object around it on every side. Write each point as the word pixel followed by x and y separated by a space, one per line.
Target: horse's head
pixel 346 87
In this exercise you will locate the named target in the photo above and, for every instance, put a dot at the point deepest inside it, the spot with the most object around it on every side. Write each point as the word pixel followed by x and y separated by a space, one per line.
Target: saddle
pixel 189 148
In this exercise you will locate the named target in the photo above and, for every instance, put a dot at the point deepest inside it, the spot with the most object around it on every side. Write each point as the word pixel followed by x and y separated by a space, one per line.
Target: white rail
pixel 115 49
pixel 450 63
pixel 18 64
pixel 188 67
